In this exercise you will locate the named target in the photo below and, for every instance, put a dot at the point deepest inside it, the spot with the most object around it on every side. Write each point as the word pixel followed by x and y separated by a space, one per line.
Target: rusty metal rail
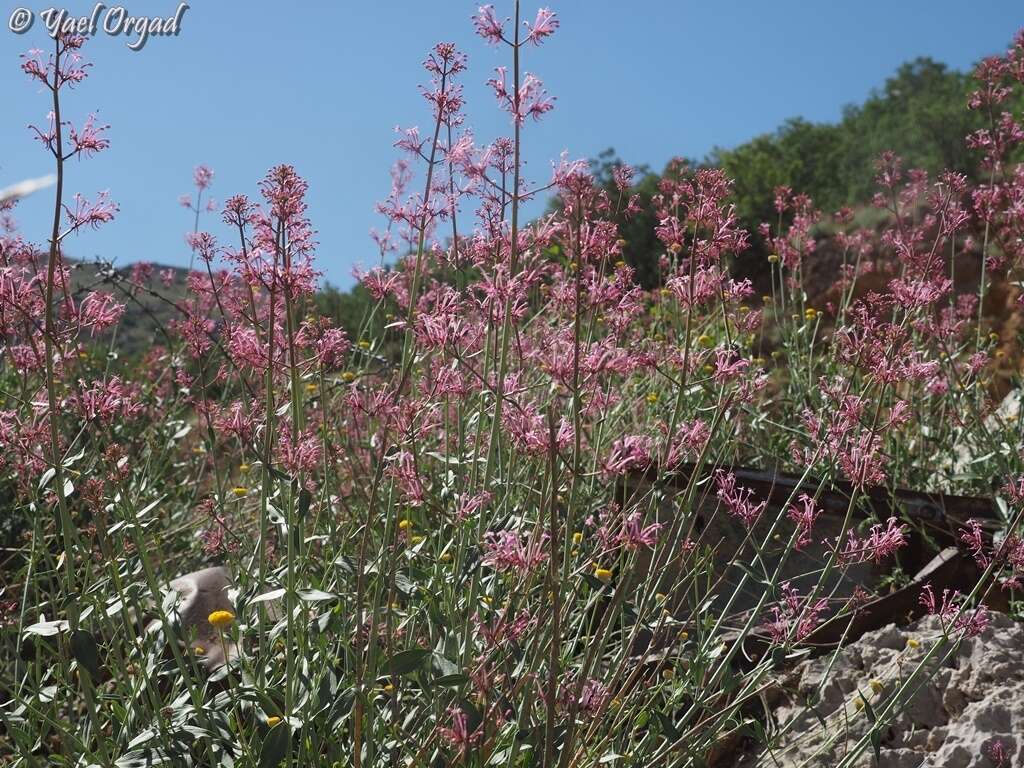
pixel 933 554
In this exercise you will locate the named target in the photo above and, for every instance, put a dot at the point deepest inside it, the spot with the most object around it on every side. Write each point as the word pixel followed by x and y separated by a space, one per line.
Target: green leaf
pixel 667 726
pixel 442 666
pixel 305 499
pixel 450 681
pixel 83 648
pixel 275 746
pixel 404 662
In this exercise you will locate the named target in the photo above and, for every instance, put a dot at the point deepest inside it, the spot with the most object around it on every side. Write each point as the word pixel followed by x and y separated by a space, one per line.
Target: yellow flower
pixel 348 376
pixel 859 702
pixel 602 574
pixel 810 313
pixel 364 344
pixel 577 537
pixel 240 491
pixel 659 598
pixel 621 243
pixel 405 525
pixel 668 673
pixel 766 298
pixel 684 635
pixel 652 397
pixel 675 247
pixel 414 540
pixel 774 258
pixel 993 336
pixel 199 650
pixel 198 450
pixel 244 468
pixel 446 557
pixel 221 619
pixel 913 643
pixel 705 341
pixel 311 387
pixel 876 685
pixel 620 264
pixel 273 720
pixel 744 309
pixel 389 688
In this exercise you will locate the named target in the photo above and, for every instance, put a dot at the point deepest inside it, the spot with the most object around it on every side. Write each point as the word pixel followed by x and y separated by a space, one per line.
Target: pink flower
pixel 105 401
pixel 506 551
pixel 737 500
pixel 634 535
pixel 459 735
pixel 89 140
pixel 628 453
pixel 202 177
pixel 880 543
pixel 100 311
pixel 792 619
pixel 804 517
pixel 953 613
pixel 543 26
pixel 487 25
pixel 86 214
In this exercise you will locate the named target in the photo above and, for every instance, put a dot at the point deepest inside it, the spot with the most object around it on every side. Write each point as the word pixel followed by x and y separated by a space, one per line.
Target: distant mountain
pixel 148 309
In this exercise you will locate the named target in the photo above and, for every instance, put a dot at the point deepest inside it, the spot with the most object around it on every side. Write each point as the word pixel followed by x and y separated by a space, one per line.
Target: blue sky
pixel 322 85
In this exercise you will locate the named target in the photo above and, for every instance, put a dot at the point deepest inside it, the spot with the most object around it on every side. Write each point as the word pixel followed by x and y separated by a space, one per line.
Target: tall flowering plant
pixel 498 521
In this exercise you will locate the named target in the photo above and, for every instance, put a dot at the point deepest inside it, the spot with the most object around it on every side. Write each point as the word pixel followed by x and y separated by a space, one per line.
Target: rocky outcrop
pixel 969 712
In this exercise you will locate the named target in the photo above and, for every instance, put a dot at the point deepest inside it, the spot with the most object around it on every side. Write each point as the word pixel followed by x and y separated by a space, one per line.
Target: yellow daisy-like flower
pixel 273 720
pixel 364 344
pixel 244 468
pixel 199 650
pixel 913 643
pixel 446 557
pixel 603 574
pixel 577 537
pixel 774 258
pixel 876 685
pixel 311 387
pixel 405 525
pixel 668 673
pixel 348 376
pixel 652 397
pixel 414 540
pixel 240 491
pixel 221 619
pixel 705 341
